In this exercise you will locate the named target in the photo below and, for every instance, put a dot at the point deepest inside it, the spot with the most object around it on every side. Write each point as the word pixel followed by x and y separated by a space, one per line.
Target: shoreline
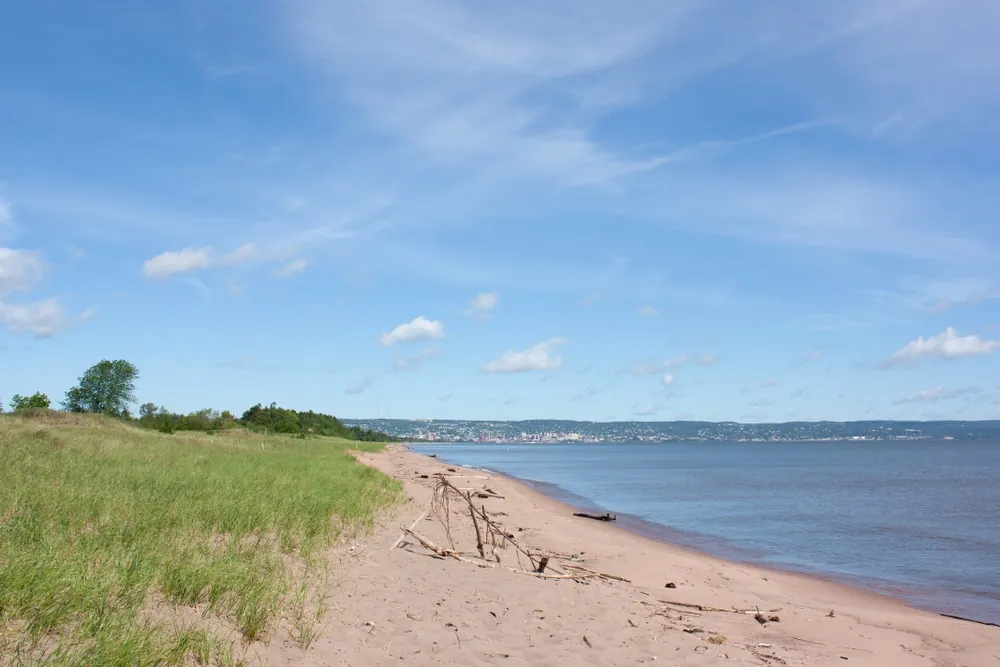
pixel 400 603
pixel 719 548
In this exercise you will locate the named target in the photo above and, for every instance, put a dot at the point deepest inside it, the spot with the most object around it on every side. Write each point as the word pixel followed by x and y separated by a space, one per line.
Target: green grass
pixel 105 530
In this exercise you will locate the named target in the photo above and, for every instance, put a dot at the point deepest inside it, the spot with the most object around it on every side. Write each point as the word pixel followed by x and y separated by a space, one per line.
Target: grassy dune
pixel 109 534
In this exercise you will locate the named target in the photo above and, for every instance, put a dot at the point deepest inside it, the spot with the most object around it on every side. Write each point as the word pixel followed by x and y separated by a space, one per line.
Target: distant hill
pixel 559 430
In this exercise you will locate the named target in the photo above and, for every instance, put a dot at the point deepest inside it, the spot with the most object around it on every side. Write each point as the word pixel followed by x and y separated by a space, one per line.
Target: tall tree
pixel 107 387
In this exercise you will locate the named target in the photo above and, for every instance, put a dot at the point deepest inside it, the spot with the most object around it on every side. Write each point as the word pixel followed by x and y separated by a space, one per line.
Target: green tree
pixel 36 400
pixel 107 387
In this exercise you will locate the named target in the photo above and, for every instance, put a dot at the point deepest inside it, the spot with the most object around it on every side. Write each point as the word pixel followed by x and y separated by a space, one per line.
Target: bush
pixel 37 400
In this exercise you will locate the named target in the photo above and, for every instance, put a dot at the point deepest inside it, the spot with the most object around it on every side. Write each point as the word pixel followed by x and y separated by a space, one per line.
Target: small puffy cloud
pixel 291 268
pixel 539 357
pixel 659 367
pixel 166 264
pixel 360 386
pixel 648 311
pixel 708 359
pixel 482 305
pixel 947 345
pixel 41 318
pixel 420 328
pixel 938 394
pixel 668 379
pixel 20 270
pixel 591 299
pixel 645 410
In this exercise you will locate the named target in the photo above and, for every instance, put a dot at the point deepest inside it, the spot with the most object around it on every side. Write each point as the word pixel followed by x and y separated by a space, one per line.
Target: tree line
pixel 108 388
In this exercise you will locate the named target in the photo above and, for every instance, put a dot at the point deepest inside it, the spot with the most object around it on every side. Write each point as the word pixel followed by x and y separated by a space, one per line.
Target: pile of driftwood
pixel 491 538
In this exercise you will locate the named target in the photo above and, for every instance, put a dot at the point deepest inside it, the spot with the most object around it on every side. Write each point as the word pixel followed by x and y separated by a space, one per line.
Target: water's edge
pixel 927 600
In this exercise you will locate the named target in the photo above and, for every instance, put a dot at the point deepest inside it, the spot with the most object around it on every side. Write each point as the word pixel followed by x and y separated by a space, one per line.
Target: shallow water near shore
pixel 919 520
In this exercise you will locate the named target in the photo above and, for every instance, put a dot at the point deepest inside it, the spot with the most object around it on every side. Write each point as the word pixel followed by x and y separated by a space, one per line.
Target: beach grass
pixel 111 538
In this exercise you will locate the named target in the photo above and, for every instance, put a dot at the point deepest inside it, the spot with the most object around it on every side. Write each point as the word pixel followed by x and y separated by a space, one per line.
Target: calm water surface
pixel 920 520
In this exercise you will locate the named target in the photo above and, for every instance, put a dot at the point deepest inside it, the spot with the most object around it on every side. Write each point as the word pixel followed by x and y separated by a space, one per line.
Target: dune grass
pixel 104 529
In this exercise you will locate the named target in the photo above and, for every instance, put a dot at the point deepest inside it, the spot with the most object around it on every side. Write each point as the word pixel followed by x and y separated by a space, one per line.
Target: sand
pixel 408 607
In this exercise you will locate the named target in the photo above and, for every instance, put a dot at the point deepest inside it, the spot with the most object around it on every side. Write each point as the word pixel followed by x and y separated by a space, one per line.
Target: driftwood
pixel 597 517
pixel 489 534
pixel 420 518
pixel 755 612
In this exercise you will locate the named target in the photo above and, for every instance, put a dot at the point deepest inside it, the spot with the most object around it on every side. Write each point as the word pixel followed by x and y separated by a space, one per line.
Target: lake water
pixel 917 519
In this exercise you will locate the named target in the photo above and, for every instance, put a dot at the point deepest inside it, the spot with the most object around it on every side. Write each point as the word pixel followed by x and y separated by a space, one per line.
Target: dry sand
pixel 409 607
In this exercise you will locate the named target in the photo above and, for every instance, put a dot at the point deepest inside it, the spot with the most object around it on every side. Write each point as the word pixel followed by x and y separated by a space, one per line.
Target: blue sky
pixel 572 209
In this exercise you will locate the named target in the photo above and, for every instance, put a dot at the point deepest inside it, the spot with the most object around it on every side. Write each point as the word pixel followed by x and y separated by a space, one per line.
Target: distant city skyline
pixel 568 208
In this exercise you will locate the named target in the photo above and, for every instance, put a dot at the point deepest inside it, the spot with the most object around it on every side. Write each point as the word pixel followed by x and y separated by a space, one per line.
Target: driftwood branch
pixel 597 517
pixel 479 536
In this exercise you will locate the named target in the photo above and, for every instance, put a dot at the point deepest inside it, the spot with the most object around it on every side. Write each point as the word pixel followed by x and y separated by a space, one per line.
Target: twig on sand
pixel 420 518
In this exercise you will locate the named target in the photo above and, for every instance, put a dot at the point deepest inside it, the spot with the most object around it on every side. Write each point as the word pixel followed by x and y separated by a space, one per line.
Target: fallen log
pixel 597 517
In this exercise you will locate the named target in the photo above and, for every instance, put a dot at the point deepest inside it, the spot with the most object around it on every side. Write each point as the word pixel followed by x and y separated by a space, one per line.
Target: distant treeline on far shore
pixel 108 388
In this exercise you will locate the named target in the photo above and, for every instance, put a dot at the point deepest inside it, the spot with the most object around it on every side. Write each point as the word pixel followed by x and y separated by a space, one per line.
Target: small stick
pixel 479 537
pixel 420 518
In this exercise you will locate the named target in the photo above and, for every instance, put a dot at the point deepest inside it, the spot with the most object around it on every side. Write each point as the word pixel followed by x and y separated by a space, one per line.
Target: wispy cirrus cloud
pixel 937 394
pixel 658 367
pixel 360 385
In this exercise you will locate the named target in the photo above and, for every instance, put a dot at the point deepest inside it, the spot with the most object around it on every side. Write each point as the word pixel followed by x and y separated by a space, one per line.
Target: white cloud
pixel 41 318
pixel 645 410
pixel 648 311
pixel 419 329
pixel 539 357
pixel 668 379
pixel 659 367
pixel 6 216
pixel 360 386
pixel 708 359
pixel 20 270
pixel 293 267
pixel 86 315
pixel 938 394
pixel 947 345
pixel 483 305
pixel 169 263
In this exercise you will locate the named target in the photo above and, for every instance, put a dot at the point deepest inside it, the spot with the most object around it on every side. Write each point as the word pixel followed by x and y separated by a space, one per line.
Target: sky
pixel 767 211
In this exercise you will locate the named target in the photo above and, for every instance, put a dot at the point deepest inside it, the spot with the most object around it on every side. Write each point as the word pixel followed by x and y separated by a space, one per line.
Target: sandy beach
pixel 409 606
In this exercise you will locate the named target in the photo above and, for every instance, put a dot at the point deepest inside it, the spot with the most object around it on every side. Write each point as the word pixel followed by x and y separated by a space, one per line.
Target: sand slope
pixel 405 607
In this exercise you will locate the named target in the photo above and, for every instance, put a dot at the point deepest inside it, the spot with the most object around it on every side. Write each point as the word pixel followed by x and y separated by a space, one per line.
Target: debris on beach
pixel 597 517
pixel 490 538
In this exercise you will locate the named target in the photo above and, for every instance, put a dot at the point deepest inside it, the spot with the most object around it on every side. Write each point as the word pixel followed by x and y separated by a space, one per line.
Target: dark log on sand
pixel 596 517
